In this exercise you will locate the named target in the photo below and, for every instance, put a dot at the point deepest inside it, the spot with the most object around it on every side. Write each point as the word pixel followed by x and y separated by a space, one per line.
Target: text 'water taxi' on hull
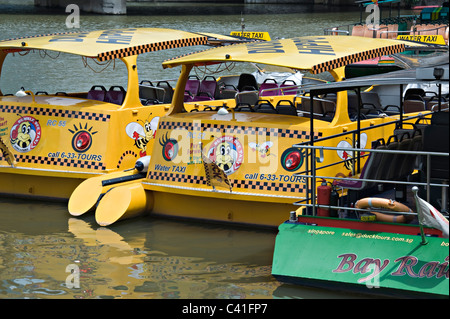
pixel 238 165
pixel 51 142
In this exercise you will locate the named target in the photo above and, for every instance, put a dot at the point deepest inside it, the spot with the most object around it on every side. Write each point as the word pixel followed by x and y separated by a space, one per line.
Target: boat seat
pixel 395 166
pixel 247 82
pixel 150 94
pixel 444 107
pixel 358 30
pixel 381 31
pixel 97 92
pixel 427 29
pixel 244 107
pixel 285 90
pixel 115 95
pixel 352 107
pixel 414 91
pixel 269 87
pixel 441 29
pixel 392 27
pixel 286 107
pixel 247 97
pixel 191 89
pixel 370 102
pixel 383 169
pixel 368 171
pixel 203 96
pixel 227 91
pixel 446 35
pixel 411 106
pixel 368 33
pixel 264 106
pixel 410 161
pixel 434 101
pixel 317 108
pixel 436 139
pixel 329 107
pixel 168 91
pixel 209 86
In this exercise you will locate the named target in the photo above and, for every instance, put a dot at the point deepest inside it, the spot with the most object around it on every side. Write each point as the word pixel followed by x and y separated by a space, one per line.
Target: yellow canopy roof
pixel 107 44
pixel 315 53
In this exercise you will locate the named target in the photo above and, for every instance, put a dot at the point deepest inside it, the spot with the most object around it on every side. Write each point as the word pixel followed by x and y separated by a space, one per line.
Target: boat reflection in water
pixel 153 259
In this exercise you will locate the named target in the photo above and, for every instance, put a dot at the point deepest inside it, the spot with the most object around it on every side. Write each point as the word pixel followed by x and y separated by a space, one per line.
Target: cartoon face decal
pixel 142 133
pixel 227 153
pixel 82 138
pixel 169 147
pixel 292 159
pixel 25 134
pixel 263 149
pixel 348 155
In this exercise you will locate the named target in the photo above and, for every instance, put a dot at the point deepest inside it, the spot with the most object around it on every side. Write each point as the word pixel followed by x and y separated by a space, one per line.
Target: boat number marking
pixel 56 123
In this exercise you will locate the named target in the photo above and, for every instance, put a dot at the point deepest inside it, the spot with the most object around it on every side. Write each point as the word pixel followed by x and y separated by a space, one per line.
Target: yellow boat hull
pixel 221 209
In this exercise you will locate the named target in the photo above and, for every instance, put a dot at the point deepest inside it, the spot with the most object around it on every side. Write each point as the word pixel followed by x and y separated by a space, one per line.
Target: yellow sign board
pixel 252 35
pixel 434 39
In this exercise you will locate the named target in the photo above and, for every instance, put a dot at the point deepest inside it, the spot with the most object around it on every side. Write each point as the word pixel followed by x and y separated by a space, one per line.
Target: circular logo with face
pixel 227 152
pixel 25 134
pixel 82 141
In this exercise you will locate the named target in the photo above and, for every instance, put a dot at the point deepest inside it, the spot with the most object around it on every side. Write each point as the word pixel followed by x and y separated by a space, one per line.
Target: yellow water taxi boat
pixel 51 142
pixel 238 165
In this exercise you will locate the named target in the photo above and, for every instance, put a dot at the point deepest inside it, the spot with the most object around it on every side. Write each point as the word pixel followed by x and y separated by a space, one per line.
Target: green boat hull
pixel 361 259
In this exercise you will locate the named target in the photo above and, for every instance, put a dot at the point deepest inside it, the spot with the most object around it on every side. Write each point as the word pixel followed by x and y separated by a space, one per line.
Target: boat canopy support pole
pixel 2 59
pixel 178 95
pixel 313 155
pixel 341 114
pixel 358 132
pixel 401 106
pixel 132 97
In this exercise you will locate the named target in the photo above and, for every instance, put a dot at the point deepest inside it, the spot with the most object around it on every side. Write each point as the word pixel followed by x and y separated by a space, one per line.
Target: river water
pixel 40 244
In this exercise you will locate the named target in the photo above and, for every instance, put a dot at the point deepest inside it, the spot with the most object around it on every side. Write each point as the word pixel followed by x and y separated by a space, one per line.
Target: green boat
pixel 371 231
pixel 427 25
pixel 374 258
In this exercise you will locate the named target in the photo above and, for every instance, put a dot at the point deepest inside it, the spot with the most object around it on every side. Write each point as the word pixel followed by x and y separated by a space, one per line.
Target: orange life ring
pixel 374 202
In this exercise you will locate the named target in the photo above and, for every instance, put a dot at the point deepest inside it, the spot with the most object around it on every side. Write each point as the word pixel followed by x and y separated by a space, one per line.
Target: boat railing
pixel 300 89
pixel 383 30
pixel 309 202
pixel 315 154
pixel 434 30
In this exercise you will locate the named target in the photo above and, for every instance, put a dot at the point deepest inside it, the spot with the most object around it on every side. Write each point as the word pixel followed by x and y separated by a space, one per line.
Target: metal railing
pixel 312 176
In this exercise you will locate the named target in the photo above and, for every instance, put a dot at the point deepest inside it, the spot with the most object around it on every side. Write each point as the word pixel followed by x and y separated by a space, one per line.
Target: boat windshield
pixel 73 73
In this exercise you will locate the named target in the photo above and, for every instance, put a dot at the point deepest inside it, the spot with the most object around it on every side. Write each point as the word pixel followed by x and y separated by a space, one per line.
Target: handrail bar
pixel 356 209
pixel 314 177
pixel 421 115
pixel 334 148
